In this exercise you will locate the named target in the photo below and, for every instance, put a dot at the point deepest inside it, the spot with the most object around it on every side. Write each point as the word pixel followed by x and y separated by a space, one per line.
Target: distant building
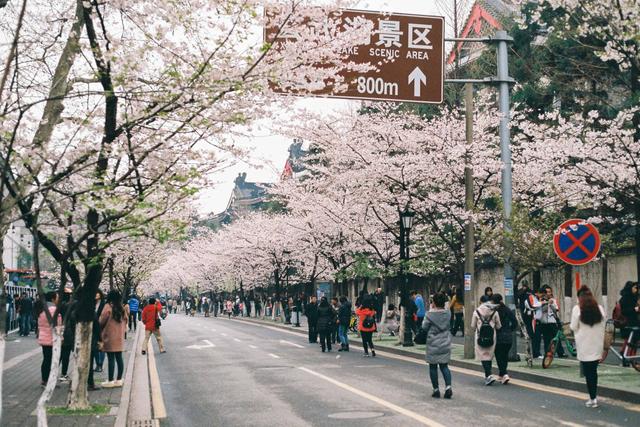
pixel 484 19
pixel 18 250
pixel 245 197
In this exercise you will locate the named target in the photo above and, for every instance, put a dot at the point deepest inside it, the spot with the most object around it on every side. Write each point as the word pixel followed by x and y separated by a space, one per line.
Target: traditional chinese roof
pixel 484 19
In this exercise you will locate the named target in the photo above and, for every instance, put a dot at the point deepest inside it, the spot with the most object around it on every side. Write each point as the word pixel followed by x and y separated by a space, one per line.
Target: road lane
pixel 241 383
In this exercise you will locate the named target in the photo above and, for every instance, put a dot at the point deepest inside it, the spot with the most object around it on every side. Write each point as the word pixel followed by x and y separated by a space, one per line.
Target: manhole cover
pixel 356 415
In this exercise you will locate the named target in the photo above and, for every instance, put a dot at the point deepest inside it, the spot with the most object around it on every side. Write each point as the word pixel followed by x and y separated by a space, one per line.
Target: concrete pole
pixel 469 238
pixel 503 81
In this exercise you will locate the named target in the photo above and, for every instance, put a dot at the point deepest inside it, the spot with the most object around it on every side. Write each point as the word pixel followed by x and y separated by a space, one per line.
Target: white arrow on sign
pixel 417 77
pixel 208 343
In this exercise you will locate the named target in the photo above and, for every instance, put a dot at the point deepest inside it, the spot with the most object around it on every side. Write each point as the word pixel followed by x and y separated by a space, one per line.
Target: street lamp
pixel 406 223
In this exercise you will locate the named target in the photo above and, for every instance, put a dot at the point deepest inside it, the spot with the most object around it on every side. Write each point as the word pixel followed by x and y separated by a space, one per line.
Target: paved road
pixel 262 376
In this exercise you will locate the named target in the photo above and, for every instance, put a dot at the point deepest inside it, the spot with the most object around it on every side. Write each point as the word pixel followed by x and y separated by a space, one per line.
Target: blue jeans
pixel 342 334
pixel 99 358
pixel 433 374
pixel 25 324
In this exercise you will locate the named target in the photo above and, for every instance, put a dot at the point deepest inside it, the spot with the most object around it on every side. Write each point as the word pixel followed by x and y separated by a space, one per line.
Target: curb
pixel 603 391
pixel 125 399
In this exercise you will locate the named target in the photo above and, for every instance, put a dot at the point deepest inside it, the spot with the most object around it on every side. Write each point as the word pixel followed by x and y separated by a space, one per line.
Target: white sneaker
pixel 109 384
pixel 63 379
pixel 489 380
pixel 505 379
pixel 591 403
pixel 118 383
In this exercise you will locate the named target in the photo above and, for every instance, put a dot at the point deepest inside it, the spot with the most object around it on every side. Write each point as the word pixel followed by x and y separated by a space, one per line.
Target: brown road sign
pixel 407 50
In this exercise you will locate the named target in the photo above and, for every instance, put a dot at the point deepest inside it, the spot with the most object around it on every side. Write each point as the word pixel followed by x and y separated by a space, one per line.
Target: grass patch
pixel 93 410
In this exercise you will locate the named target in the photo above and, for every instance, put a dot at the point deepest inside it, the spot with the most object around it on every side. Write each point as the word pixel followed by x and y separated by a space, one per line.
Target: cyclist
pixel 550 320
pixel 587 322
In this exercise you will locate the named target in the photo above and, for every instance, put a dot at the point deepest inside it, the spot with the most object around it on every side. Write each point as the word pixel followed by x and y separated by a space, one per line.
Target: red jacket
pixel 362 313
pixel 149 316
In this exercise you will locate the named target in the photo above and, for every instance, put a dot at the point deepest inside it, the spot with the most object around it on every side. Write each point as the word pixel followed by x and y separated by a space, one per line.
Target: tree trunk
pixel 78 398
pixel 41 408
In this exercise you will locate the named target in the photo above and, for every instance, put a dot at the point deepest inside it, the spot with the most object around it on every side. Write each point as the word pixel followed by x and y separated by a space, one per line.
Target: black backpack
pixel 368 322
pixel 486 332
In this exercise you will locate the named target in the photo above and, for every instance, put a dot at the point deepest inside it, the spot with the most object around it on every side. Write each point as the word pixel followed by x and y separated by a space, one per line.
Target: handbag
pixel 158 321
pixel 421 337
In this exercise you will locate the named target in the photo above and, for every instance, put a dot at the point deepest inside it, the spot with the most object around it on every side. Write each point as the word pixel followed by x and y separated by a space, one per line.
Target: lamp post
pixel 406 222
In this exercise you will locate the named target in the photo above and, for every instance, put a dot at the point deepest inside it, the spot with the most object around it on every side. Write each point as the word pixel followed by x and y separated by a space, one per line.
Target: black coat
pixel 504 335
pixel 344 313
pixel 326 318
pixel 311 311
pixel 628 304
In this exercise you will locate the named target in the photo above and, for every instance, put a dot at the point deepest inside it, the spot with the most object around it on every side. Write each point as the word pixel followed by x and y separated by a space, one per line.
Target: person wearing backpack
pixel 438 345
pixel 367 324
pixel 486 322
pixel 504 337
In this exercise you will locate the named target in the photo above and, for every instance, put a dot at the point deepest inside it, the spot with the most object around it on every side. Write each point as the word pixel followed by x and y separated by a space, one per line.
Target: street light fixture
pixel 406 223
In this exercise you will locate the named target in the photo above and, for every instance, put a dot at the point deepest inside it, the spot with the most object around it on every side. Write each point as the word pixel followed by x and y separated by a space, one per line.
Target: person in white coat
pixel 486 312
pixel 587 323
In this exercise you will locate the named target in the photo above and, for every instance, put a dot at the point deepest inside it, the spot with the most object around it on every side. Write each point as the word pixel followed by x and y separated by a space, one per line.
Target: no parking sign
pixel 576 242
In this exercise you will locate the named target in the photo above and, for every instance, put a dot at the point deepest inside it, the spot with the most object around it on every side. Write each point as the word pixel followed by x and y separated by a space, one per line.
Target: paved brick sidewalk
pixel 21 390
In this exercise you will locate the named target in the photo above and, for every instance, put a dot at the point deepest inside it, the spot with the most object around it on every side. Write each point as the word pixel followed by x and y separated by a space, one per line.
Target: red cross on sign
pixel 576 242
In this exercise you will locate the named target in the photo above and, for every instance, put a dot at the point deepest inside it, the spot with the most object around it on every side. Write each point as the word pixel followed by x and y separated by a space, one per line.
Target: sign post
pixel 576 242
pixel 406 50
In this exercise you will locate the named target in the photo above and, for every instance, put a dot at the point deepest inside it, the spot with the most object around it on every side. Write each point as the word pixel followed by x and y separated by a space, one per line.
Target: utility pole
pixel 469 229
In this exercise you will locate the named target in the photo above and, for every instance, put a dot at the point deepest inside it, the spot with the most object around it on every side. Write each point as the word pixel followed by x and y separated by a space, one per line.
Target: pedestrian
pixel 100 354
pixel 334 324
pixel 531 316
pixel 113 326
pixel 326 319
pixel 229 308
pixel 488 292
pixel 391 324
pixel 25 311
pixel 629 310
pixel 152 324
pixel 311 312
pixel 367 324
pixel 587 323
pixel 438 345
pixel 344 318
pixel 45 334
pixel 205 307
pixel 67 311
pixel 485 322
pixel 422 310
pixel 457 308
pixel 379 296
pixel 504 337
pixel 134 307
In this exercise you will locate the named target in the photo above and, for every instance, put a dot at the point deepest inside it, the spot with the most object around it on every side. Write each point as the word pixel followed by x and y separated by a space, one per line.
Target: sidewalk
pixel 22 388
pixel 613 381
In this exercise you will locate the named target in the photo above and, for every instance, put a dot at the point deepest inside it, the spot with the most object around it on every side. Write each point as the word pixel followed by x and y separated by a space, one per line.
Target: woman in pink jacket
pixel 45 335
pixel 113 324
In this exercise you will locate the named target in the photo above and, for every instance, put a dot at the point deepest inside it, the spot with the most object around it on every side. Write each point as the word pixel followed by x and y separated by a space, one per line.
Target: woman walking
pixel 587 323
pixel 438 348
pixel 45 334
pixel 326 319
pixel 457 307
pixel 485 322
pixel 367 324
pixel 504 337
pixel 113 324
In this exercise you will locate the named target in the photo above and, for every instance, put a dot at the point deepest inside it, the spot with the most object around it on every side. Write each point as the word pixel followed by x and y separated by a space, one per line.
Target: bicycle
pixel 558 338
pixel 628 353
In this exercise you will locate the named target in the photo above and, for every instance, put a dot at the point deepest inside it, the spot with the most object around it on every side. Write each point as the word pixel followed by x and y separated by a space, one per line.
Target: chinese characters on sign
pixel 407 51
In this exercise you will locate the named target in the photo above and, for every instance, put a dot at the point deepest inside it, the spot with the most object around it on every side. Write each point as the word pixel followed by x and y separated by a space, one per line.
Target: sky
pixel 269 150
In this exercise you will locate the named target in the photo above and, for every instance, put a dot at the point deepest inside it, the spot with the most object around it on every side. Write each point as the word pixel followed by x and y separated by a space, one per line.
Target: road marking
pixel 223 334
pixel 570 424
pixel 214 329
pixel 417 417
pixel 237 340
pixel 207 344
pixel 275 356
pixel 291 343
pixel 252 346
pixel 157 402
pixel 18 359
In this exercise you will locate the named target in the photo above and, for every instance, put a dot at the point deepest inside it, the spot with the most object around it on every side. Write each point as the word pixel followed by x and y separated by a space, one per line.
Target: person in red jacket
pixel 367 324
pixel 150 315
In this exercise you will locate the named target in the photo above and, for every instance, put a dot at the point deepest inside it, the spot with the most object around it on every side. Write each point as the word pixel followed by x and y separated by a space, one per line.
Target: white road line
pixel 406 412
pixel 291 343
pixel 275 356
pixel 213 329
pixel 223 334
pixel 252 346
pixel 14 361
pixel 237 340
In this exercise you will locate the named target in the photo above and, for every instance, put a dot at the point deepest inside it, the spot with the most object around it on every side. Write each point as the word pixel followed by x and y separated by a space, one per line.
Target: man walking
pixel 379 301
pixel 422 311
pixel 134 306
pixel 344 318
pixel 26 310
pixel 151 320
pixel 311 311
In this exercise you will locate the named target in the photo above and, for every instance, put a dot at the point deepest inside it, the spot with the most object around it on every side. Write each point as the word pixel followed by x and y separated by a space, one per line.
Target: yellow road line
pixel 157 402
pixel 399 409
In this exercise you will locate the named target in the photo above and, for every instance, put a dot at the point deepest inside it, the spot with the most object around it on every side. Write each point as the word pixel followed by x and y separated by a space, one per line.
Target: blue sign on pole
pixel 508 287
